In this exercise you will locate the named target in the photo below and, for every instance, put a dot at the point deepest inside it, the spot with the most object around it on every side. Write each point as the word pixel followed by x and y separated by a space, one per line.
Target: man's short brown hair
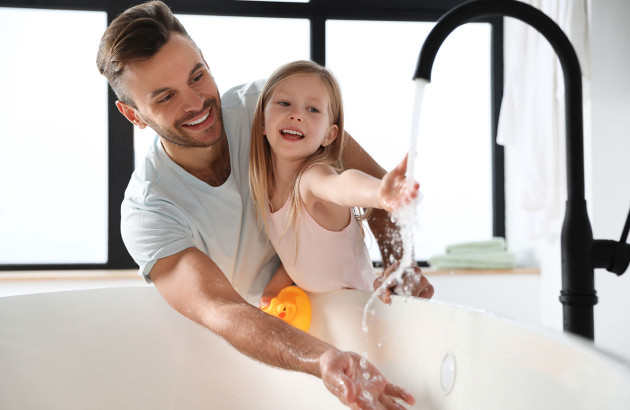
pixel 135 35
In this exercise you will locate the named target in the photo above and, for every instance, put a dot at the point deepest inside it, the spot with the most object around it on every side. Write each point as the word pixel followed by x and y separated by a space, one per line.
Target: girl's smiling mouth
pixel 292 134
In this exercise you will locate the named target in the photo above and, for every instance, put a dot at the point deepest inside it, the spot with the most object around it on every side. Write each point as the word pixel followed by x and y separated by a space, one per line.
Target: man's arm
pixel 384 229
pixel 195 286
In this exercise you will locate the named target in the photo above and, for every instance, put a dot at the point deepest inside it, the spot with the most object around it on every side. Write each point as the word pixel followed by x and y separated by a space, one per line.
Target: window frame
pixel 120 131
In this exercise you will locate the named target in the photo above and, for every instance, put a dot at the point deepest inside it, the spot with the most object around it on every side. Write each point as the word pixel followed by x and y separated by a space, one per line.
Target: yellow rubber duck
pixel 293 306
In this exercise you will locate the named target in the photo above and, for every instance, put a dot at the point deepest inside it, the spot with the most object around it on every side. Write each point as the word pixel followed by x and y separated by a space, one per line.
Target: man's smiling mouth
pixel 200 120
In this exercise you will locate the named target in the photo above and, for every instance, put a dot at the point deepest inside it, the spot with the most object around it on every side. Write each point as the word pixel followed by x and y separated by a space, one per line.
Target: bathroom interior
pixel 79 328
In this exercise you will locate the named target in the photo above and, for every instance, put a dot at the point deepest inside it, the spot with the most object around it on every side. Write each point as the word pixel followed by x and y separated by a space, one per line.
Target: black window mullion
pixel 318 40
pixel 120 167
pixel 497 152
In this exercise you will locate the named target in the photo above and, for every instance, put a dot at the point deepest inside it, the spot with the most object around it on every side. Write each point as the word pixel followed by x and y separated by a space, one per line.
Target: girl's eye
pixel 284 103
pixel 313 109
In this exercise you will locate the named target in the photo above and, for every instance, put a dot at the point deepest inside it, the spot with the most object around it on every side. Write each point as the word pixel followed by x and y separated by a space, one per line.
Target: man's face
pixel 176 95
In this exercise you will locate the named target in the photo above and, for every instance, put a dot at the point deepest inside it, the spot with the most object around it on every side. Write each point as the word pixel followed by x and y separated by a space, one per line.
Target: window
pixel 53 184
pixel 68 153
pixel 374 62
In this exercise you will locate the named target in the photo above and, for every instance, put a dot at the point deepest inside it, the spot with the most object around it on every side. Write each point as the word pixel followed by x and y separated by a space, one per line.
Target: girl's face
pixel 297 121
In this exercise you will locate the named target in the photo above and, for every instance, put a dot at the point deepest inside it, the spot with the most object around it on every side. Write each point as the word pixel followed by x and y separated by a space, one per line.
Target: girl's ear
pixel 130 113
pixel 332 135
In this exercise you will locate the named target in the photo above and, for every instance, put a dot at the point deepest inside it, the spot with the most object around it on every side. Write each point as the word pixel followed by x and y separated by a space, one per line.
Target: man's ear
pixel 332 135
pixel 130 113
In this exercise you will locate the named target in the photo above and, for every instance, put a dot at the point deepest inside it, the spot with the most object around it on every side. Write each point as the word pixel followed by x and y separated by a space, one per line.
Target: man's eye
pixel 198 77
pixel 165 99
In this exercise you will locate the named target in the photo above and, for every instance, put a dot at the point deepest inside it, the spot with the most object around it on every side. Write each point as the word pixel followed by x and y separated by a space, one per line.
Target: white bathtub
pixel 125 348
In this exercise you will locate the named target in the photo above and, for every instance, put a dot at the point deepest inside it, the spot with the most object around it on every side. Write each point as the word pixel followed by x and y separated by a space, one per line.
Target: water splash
pixel 405 218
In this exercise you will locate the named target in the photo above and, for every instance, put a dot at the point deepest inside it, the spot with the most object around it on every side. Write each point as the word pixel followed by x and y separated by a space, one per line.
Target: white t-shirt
pixel 167 210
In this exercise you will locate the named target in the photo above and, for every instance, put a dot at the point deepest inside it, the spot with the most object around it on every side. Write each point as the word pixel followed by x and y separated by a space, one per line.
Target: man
pixel 187 217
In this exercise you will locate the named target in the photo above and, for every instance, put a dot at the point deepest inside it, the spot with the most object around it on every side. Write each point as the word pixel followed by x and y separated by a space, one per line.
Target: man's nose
pixel 193 100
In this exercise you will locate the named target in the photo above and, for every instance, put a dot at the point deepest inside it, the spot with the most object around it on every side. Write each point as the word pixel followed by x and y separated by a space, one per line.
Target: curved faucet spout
pixel 578 289
pixel 477 9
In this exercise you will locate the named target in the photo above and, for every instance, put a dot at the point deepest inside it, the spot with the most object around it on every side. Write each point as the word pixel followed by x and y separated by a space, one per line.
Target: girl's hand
pixel 268 294
pixel 265 301
pixel 394 191
pixel 278 281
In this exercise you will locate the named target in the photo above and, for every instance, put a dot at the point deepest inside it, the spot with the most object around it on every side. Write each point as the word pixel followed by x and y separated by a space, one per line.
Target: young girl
pixel 303 197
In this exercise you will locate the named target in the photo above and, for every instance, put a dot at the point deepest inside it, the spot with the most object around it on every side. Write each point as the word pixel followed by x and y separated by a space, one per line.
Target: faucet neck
pixel 477 9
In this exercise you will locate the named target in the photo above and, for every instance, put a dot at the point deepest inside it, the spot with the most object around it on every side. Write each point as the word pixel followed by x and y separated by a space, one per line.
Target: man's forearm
pixel 387 236
pixel 270 340
pixel 194 286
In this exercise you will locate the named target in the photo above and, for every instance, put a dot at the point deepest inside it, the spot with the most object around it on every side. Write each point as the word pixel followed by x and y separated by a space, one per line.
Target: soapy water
pixel 405 218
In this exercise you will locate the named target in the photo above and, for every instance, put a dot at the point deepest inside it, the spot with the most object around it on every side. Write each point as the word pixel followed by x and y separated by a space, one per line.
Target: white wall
pixel 514 296
pixel 607 157
pixel 610 159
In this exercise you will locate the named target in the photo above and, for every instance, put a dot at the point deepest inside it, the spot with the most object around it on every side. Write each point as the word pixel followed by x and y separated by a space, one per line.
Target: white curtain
pixel 531 122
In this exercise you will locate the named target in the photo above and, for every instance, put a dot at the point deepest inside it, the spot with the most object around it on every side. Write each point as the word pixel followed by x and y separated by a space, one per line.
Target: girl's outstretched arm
pixel 353 188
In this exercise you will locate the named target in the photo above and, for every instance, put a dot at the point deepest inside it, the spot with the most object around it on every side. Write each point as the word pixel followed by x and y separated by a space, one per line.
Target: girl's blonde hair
pixel 260 166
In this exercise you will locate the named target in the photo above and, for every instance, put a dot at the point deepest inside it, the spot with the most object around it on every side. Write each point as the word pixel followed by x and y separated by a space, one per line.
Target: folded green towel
pixel 474 260
pixel 493 245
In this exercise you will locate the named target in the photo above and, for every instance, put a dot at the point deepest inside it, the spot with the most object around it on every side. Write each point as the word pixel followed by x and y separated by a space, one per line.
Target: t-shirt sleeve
pixel 154 232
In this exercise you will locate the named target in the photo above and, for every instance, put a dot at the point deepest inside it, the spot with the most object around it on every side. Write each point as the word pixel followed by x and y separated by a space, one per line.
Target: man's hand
pixel 357 386
pixel 412 283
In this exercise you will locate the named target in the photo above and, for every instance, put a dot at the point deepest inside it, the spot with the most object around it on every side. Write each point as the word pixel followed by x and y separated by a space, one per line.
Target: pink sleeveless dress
pixel 325 260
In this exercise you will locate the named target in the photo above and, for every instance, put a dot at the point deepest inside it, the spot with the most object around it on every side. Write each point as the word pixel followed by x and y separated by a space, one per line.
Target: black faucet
pixel 581 254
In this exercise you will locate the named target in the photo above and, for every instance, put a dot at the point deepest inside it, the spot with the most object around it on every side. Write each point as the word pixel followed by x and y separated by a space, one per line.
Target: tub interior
pixel 125 348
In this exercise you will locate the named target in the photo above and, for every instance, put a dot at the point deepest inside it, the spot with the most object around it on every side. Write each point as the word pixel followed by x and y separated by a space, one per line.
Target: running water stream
pixel 405 219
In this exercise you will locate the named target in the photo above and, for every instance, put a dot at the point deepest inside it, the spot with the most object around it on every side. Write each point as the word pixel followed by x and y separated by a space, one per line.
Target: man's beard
pixel 178 135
